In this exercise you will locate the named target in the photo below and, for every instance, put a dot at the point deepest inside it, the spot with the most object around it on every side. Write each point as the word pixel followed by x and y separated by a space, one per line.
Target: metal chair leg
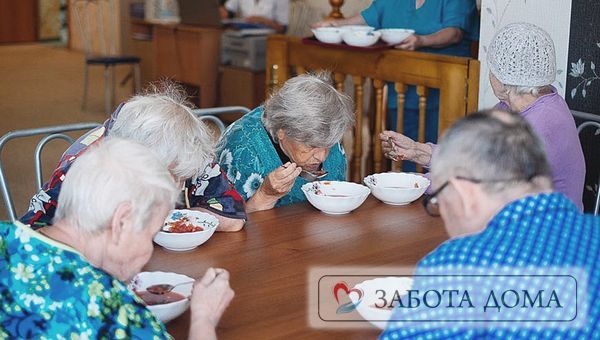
pixel 85 86
pixel 137 78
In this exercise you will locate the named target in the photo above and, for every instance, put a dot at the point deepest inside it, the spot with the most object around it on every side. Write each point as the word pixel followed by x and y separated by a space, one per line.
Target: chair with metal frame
pixel 50 133
pixel 580 129
pixel 211 114
pixel 57 132
pixel 99 40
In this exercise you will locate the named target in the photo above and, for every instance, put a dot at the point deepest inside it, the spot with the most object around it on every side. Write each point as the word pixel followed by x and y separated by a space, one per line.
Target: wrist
pixel 261 201
pixel 421 41
pixel 202 328
pixel 423 153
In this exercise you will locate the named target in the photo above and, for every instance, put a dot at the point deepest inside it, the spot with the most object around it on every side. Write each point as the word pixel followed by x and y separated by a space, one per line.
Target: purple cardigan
pixel 551 119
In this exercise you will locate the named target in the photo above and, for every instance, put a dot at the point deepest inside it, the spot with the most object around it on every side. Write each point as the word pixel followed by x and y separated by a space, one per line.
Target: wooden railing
pixel 456 77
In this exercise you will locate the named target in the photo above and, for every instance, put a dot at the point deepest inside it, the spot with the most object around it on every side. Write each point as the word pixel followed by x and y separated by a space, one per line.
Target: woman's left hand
pixel 412 43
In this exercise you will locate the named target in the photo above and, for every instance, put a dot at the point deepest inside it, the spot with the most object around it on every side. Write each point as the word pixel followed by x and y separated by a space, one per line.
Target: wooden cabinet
pixel 240 87
pixel 18 21
pixel 189 54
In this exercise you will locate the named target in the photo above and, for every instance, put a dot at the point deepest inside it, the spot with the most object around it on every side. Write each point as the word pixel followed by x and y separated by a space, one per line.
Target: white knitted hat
pixel 522 54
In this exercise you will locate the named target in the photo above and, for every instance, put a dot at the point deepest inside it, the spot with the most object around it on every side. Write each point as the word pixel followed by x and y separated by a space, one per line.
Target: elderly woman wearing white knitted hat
pixel 522 64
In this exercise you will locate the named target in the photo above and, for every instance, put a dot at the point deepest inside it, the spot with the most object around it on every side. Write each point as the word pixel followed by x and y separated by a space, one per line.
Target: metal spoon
pixel 311 177
pixel 393 155
pixel 164 288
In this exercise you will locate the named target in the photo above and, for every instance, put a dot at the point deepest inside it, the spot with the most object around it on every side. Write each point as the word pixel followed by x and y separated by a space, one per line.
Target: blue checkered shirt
pixel 542 231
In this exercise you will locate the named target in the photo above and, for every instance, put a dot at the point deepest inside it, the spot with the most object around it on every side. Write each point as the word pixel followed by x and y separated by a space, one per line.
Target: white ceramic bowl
pixel 168 311
pixel 367 307
pixel 187 241
pixel 394 36
pixel 330 35
pixel 346 28
pixel 397 188
pixel 360 38
pixel 336 198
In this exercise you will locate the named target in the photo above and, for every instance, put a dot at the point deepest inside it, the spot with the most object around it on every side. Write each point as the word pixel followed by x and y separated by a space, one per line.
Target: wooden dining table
pixel 270 258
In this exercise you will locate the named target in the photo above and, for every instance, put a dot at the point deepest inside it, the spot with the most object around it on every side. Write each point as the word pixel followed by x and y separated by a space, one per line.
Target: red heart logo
pixel 343 286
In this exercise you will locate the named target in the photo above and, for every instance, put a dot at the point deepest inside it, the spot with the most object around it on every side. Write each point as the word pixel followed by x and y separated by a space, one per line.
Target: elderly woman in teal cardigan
pixel 298 127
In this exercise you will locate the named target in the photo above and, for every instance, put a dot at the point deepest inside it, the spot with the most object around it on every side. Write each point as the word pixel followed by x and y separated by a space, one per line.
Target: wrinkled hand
pixel 326 23
pixel 398 147
pixel 210 297
pixel 411 43
pixel 281 180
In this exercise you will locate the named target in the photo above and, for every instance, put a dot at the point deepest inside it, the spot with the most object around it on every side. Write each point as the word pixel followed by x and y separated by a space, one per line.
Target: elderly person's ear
pixel 500 90
pixel 280 134
pixel 121 221
pixel 466 198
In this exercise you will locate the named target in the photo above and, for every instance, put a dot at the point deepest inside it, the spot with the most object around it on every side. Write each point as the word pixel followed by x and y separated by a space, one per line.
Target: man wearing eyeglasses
pixel 492 186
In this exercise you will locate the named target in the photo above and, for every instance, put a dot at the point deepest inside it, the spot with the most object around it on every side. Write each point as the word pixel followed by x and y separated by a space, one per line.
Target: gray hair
pixel 310 111
pixel 162 120
pixel 113 172
pixel 492 145
pixel 535 91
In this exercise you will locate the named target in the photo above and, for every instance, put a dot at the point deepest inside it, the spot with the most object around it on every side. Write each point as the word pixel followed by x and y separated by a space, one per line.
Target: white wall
pixel 554 16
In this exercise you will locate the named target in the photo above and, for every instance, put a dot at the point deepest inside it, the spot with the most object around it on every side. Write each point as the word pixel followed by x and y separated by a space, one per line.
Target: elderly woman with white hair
pixel 69 280
pixel 298 128
pixel 522 63
pixel 162 120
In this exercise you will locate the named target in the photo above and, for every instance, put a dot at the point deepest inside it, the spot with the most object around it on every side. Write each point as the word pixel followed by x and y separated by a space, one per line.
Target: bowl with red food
pixel 186 229
pixel 165 305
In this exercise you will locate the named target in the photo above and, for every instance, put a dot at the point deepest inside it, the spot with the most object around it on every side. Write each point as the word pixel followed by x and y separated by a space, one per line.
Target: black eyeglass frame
pixel 432 198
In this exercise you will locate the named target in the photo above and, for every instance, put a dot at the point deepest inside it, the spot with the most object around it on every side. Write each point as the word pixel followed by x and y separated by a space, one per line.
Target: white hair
pixel 113 172
pixel 163 121
pixel 535 91
pixel 310 111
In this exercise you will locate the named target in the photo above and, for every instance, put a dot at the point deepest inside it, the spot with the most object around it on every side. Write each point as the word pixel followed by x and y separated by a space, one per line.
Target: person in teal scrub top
pixel 441 26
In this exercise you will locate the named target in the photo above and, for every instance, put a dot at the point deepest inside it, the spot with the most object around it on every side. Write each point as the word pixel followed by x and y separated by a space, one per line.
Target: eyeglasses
pixel 430 202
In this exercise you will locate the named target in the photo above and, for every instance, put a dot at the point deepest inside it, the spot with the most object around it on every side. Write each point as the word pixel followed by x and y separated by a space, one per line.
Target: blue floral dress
pixel 48 290
pixel 247 155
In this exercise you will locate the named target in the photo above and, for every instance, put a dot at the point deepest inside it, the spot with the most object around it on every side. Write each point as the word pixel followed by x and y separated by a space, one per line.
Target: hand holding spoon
pixel 163 288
